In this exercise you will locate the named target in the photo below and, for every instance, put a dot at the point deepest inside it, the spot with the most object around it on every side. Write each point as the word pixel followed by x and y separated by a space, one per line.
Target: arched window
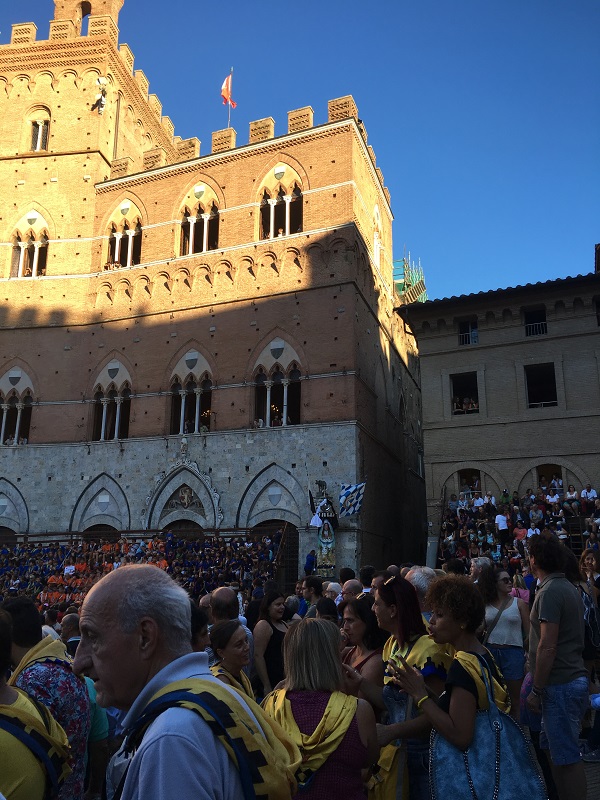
pixel 184 248
pixel 265 216
pixel 15 420
pixel 294 396
pixel 125 245
pixel 296 216
pixel 191 407
pixel 39 123
pixel 136 254
pixel 199 231
pixel 279 221
pixel 213 228
pixel 277 398
pixel 260 399
pixel 282 215
pixel 111 415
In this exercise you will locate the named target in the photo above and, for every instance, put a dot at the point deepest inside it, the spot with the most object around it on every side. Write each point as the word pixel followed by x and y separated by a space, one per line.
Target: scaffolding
pixel 409 281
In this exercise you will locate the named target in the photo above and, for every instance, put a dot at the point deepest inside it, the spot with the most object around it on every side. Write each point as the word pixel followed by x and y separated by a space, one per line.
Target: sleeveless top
pixel 507 630
pixel 274 656
pixel 344 765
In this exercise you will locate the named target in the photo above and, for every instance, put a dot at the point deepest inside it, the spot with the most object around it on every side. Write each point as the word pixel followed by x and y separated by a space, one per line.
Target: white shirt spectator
pixel 553 498
pixel 532 532
pixel 588 494
pixel 478 501
pixel 501 522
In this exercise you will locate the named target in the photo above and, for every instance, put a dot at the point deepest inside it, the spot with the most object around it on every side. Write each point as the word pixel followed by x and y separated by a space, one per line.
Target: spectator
pixel 43 669
pixel 588 496
pixel 312 589
pixel 560 682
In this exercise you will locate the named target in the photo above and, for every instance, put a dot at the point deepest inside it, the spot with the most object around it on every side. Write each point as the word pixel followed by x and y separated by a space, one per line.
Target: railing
pixel 544 404
pixel 472 337
pixel 536 328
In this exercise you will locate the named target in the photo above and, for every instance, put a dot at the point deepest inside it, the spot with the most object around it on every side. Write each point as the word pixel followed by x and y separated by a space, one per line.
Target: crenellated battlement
pixel 166 148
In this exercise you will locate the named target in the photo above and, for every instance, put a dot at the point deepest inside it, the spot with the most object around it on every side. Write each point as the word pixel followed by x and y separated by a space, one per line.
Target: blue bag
pixel 499 764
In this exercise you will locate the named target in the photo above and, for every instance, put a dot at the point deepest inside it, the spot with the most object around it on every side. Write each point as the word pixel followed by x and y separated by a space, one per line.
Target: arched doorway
pixel 284 536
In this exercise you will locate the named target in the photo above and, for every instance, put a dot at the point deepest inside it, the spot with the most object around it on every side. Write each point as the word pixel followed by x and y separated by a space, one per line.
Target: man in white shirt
pixel 587 496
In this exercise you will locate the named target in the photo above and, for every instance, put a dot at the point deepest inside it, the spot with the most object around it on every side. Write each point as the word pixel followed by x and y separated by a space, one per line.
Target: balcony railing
pixel 536 328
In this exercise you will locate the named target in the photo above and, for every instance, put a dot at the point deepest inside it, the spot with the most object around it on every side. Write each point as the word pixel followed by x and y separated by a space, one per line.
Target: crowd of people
pixel 479 524
pixel 341 689
pixel 61 573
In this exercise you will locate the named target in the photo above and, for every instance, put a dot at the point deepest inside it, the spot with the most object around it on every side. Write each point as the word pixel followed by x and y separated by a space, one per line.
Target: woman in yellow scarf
pixel 458 612
pixel 229 642
pixel 335 732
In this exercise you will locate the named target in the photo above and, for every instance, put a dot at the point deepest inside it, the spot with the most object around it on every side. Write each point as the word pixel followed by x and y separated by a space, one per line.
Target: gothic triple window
pixel 111 415
pixel 277 397
pixel 125 245
pixel 191 406
pixel 199 231
pixel 15 419
pixel 281 212
pixel 29 256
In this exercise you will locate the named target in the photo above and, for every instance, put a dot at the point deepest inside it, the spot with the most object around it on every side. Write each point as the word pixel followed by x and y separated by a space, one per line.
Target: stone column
pixel 22 247
pixel 198 393
pixel 130 235
pixel 104 401
pixel 192 221
pixel 5 409
pixel 118 401
pixel 182 394
pixel 205 217
pixel 268 384
pixel 287 199
pixel 118 237
pixel 36 258
pixel 20 408
pixel 285 399
pixel 272 204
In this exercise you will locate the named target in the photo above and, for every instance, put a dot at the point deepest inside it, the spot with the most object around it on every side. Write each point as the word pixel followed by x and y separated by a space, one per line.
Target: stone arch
pixel 102 502
pixel 261 354
pixel 189 198
pixel 157 515
pixel 17 384
pixel 177 366
pixel 270 182
pixel 105 375
pixel 255 505
pixel 15 514
pixel 45 220
pixel 567 463
pixel 481 467
pixel 137 209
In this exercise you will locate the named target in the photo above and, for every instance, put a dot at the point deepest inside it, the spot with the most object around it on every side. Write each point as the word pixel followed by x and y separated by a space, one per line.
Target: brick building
pixel 528 361
pixel 193 341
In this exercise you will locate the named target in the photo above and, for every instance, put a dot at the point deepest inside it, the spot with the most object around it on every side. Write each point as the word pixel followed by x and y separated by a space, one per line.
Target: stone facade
pixel 530 357
pixel 152 293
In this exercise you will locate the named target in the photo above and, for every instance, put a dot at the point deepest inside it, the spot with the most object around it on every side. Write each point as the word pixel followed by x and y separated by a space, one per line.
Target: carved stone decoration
pixel 183 491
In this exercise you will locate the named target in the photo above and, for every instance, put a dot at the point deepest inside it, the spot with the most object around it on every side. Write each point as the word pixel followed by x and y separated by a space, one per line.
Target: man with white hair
pixel 186 735
pixel 421 578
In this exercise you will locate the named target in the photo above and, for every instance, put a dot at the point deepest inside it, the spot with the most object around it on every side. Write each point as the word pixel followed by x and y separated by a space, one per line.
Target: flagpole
pixel 229 103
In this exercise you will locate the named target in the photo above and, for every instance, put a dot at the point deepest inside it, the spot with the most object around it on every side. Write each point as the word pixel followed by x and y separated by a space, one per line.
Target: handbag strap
pixel 494 715
pixel 502 608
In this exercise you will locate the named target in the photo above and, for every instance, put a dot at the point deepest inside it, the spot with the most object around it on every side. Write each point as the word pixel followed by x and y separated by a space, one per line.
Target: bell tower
pixel 76 10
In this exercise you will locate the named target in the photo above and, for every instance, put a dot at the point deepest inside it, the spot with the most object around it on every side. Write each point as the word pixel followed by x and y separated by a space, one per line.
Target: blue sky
pixel 484 114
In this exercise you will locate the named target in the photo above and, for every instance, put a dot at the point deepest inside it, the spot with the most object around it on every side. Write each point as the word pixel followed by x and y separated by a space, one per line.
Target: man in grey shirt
pixel 560 681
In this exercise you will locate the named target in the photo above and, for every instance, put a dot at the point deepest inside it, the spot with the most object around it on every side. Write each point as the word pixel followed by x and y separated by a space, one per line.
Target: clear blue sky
pixel 484 114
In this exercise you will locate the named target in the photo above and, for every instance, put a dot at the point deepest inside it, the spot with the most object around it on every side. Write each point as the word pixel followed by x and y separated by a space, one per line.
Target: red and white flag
pixel 226 92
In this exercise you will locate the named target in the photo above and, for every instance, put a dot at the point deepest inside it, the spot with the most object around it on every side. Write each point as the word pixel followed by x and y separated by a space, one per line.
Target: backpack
pixel 591 619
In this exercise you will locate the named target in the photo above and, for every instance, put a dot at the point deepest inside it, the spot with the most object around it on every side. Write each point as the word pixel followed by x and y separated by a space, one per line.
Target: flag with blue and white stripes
pixel 351 497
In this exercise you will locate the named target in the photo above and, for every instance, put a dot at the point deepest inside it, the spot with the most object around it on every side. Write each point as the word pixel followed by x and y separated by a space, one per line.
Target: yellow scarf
pixel 45 732
pixel 243 685
pixel 315 747
pixel 48 650
pixel 472 665
pixel 268 759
